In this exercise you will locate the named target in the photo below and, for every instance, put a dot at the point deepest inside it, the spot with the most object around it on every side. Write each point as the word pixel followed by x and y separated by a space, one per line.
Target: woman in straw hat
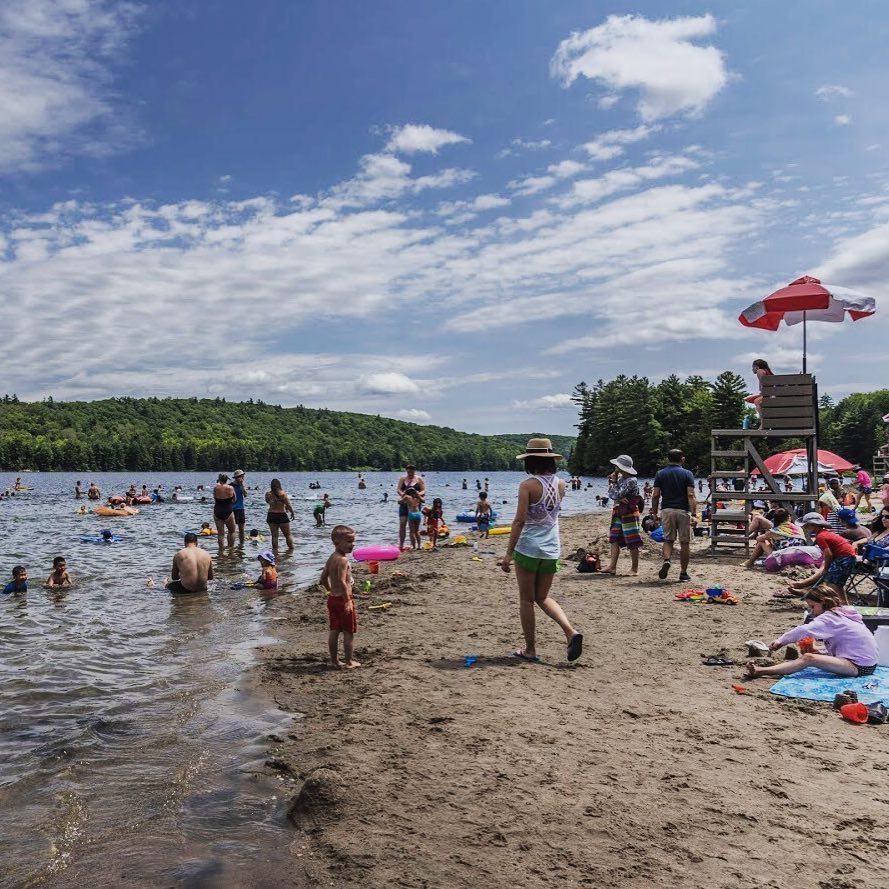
pixel 625 529
pixel 534 546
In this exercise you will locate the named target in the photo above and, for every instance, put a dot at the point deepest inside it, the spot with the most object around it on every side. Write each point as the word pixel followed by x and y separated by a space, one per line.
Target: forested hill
pixel 212 434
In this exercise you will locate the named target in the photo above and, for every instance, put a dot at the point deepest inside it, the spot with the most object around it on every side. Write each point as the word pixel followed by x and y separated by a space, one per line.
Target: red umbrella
pixel 807 299
pixel 778 464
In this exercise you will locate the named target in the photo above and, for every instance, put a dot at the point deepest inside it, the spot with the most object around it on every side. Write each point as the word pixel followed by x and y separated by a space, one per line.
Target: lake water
pixel 130 732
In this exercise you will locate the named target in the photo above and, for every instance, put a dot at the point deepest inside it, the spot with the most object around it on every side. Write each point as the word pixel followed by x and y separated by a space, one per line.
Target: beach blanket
pixel 816 685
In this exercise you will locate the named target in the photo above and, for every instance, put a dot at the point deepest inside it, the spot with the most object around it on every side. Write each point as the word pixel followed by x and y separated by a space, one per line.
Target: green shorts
pixel 536 566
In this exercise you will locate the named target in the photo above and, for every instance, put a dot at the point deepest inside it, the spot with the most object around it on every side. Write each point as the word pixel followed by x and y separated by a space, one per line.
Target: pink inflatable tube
pixel 384 552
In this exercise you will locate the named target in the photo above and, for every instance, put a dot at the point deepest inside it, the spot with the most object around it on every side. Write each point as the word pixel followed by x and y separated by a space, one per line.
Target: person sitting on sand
pixel 850 646
pixel 483 515
pixel 192 568
pixel 780 535
pixel 268 580
pixel 839 560
pixel 19 582
pixel 59 577
pixel 758 523
pixel 535 547
pixel 625 530
pixel 336 578
pixel 851 528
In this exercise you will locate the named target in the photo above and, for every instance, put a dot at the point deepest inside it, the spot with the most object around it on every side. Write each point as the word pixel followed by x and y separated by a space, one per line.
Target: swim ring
pixel 384 552
pixel 109 511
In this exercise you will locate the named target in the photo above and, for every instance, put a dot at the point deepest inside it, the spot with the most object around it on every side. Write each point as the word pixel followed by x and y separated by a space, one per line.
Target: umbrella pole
pixel 804 341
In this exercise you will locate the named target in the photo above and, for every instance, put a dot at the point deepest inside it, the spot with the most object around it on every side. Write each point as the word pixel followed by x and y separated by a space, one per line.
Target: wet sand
pixel 638 766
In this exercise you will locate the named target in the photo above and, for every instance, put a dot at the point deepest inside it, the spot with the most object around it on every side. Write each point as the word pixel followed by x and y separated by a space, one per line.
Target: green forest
pixel 630 415
pixel 212 434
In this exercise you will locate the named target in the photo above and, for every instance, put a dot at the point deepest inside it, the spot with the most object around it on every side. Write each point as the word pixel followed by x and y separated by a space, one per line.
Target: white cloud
pixel 608 101
pixel 519 145
pixel 590 190
pixel 860 261
pixel 388 383
pixel 565 169
pixel 414 415
pixel 830 91
pixel 559 401
pixel 55 79
pixel 413 138
pixel 842 120
pixel 610 144
pixel 658 58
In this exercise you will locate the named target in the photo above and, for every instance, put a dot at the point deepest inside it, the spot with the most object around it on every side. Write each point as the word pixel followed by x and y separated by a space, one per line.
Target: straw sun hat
pixel 539 447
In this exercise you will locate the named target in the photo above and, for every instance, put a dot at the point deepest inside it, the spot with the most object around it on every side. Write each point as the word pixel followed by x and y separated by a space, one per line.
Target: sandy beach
pixel 637 766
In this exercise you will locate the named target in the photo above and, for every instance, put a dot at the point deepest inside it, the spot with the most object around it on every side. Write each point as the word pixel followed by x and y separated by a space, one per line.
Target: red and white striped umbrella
pixel 807 299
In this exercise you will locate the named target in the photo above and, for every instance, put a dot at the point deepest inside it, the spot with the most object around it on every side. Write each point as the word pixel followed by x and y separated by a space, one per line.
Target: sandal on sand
pixel 714 660
pixel 575 647
pixel 526 657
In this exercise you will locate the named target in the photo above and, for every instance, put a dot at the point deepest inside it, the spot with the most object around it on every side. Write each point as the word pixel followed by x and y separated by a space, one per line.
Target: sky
pixel 448 213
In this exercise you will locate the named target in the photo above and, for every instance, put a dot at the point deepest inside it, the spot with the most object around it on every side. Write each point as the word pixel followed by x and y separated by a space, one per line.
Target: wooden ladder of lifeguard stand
pixel 789 410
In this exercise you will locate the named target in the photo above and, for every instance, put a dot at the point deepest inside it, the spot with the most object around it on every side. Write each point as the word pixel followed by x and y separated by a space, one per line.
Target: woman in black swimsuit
pixel 280 513
pixel 223 504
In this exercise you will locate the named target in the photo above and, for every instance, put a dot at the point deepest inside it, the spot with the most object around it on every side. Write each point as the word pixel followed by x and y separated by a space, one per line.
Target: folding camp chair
pixel 871 576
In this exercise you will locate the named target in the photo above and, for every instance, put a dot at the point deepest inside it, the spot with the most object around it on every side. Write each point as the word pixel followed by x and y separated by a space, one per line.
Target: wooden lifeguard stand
pixel 789 410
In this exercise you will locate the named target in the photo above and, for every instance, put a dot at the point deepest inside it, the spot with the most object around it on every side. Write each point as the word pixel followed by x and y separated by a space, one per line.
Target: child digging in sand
pixel 336 578
pixel 850 649
pixel 839 561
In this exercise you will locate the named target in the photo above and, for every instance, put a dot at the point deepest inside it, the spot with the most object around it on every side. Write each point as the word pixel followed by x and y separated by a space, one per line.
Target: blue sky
pixel 443 212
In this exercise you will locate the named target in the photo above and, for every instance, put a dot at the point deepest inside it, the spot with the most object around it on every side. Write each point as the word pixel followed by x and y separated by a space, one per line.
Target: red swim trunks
pixel 341 622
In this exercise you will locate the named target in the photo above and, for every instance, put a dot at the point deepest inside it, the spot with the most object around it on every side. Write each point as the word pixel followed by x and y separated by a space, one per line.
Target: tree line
pixel 173 434
pixel 631 415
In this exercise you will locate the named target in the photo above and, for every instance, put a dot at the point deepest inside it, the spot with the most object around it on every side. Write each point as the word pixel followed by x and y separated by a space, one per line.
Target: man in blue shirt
pixel 674 492
pixel 238 509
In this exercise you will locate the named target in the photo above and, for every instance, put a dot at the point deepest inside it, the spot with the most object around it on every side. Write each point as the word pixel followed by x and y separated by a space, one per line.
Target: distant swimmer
pixel 192 568
pixel 93 492
pixel 78 491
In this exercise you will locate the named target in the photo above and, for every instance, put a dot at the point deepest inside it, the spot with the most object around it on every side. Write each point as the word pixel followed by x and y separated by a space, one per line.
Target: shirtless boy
pixel 336 578
pixel 59 578
pixel 192 568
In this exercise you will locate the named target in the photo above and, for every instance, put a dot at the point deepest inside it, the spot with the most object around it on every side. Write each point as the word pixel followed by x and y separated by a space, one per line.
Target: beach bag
pixel 807 556
pixel 588 563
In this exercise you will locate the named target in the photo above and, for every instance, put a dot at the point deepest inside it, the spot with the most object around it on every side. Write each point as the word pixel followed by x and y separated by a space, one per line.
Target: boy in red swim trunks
pixel 336 578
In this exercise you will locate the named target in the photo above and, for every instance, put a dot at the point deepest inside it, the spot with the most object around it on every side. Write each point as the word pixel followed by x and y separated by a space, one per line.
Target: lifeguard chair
pixel 789 410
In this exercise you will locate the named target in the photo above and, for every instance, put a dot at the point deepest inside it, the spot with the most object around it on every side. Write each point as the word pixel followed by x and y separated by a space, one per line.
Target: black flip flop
pixel 575 647
pixel 665 570
pixel 716 661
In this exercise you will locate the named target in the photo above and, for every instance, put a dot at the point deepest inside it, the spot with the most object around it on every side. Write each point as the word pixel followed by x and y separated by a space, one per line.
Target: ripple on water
pixel 123 731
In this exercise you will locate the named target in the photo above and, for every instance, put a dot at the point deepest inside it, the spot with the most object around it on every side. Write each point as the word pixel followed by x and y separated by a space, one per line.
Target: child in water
pixel 206 530
pixel 19 582
pixel 268 580
pixel 336 578
pixel 59 578
pixel 434 517
pixel 320 511
pixel 411 498
pixel 483 515
pixel 255 537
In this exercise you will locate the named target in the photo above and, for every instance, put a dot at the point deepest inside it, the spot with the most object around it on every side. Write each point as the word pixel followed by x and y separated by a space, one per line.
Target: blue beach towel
pixel 816 685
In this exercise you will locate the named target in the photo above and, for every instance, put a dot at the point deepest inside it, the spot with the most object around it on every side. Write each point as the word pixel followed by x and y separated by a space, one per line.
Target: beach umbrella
pixel 796 462
pixel 807 299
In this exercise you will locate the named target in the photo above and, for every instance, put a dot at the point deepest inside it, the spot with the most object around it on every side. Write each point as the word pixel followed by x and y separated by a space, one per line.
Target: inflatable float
pixel 141 499
pixel 181 498
pixel 112 539
pixel 503 529
pixel 469 517
pixel 384 552
pixel 111 511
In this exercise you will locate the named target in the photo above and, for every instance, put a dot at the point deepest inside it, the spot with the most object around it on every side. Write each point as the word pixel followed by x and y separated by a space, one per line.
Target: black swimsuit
pixel 222 507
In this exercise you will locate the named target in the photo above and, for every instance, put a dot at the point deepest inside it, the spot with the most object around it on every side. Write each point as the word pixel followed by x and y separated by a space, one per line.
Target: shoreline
pixel 637 766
